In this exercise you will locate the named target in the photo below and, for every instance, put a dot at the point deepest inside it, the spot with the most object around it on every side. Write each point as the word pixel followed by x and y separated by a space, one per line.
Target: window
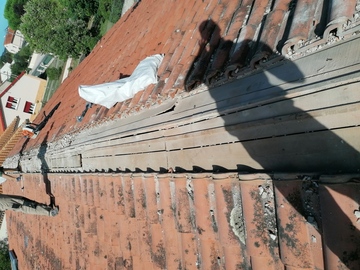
pixel 12 103
pixel 29 107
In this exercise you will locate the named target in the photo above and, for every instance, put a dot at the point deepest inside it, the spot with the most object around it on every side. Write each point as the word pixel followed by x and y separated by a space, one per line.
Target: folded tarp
pixel 108 94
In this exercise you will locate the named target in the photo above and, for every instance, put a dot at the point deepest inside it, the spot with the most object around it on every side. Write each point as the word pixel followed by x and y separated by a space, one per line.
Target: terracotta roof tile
pixel 9 36
pixel 185 220
pixel 230 28
pixel 189 221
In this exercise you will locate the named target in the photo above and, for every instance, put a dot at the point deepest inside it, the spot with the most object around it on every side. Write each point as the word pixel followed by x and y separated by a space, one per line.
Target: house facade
pixel 5 72
pixel 14 41
pixel 39 63
pixel 22 98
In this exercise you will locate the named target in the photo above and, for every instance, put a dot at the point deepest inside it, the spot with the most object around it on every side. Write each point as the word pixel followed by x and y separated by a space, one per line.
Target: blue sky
pixel 3 25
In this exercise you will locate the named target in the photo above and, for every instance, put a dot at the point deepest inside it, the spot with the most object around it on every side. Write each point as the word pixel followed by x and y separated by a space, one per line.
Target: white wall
pixel 5 72
pixel 36 59
pixel 25 89
pixel 11 48
pixel 18 39
pixel 3 229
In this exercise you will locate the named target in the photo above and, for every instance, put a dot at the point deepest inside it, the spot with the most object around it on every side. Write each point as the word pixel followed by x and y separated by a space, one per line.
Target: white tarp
pixel 2 180
pixel 108 94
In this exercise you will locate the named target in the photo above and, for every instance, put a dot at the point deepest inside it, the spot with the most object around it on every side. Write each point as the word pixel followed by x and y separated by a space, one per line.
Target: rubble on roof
pixel 195 215
pixel 211 44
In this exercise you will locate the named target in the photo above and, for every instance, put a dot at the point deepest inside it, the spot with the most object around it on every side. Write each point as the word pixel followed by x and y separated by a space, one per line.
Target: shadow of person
pixel 45 169
pixel 269 119
pixel 47 117
pixel 31 130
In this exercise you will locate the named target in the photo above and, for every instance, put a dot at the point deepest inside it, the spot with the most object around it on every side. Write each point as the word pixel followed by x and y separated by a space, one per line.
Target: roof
pixel 188 221
pixel 12 84
pixel 213 107
pixel 6 137
pixel 239 34
pixel 9 36
pixel 7 141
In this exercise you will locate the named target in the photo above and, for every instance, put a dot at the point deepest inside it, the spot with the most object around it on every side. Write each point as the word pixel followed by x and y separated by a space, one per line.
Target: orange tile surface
pixel 187 221
pixel 203 41
pixel 190 220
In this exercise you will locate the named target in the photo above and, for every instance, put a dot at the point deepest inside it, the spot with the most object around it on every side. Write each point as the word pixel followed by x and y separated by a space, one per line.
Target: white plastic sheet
pixel 2 180
pixel 108 94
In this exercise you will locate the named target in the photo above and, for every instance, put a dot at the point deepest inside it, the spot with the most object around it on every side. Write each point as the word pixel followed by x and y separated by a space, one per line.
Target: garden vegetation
pixel 65 28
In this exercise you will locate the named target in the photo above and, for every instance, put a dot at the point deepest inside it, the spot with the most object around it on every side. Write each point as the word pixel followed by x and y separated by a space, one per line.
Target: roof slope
pixel 203 41
pixel 6 135
pixel 9 36
pixel 197 220
pixel 189 221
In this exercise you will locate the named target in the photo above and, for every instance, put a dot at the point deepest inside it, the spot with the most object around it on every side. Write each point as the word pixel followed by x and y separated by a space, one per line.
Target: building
pixel 245 154
pixel 22 98
pixel 39 63
pixel 5 72
pixel 8 138
pixel 14 41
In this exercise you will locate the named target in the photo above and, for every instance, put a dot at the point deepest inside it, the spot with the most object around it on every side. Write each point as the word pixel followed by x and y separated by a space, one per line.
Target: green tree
pixel 21 60
pixel 23 55
pixel 6 57
pixel 4 255
pixel 18 67
pixel 82 9
pixel 48 29
pixel 53 73
pixel 13 11
pixel 105 8
pixel 110 9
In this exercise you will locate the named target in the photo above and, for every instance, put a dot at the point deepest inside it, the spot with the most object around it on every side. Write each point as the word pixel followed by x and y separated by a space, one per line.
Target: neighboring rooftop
pixel 174 178
pixel 9 36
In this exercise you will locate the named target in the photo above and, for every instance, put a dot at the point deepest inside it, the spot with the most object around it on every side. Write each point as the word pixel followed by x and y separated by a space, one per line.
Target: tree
pixel 18 67
pixel 105 8
pixel 21 60
pixel 48 29
pixel 13 11
pixel 4 255
pixel 82 9
pixel 25 52
pixel 110 9
pixel 53 73
pixel 6 57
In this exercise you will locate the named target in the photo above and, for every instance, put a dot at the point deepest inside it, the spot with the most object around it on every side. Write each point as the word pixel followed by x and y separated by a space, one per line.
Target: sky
pixel 3 25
